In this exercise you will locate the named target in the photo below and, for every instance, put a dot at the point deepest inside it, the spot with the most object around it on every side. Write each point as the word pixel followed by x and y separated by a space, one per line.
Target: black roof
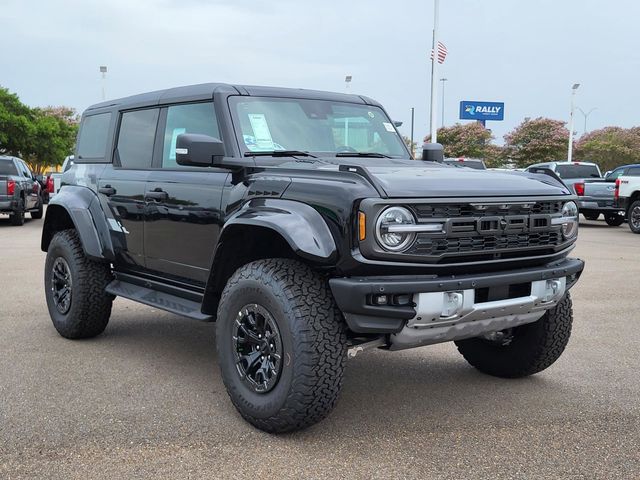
pixel 205 91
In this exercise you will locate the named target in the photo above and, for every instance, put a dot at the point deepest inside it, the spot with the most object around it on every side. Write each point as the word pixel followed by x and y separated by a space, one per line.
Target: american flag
pixel 442 52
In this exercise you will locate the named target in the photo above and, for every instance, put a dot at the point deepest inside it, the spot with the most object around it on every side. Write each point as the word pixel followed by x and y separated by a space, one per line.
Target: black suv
pixel 298 221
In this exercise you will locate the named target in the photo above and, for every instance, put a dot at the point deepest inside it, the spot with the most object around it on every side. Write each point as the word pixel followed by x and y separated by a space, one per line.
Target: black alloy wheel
pixel 258 348
pixel 61 285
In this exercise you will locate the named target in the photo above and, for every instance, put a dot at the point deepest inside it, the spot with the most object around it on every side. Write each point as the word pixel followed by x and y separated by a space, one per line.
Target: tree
pixel 536 141
pixel 468 140
pixel 610 147
pixel 16 124
pixel 41 136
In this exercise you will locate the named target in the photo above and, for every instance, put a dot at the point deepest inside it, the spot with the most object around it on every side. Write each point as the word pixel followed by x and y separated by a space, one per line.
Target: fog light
pixel 452 303
pixel 380 300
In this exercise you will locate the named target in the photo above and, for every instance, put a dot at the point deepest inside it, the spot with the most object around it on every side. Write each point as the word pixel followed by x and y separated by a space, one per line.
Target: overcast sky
pixel 526 54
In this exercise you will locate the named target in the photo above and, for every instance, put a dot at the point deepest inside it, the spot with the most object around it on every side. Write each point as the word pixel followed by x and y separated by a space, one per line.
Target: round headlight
pixel 389 228
pixel 570 215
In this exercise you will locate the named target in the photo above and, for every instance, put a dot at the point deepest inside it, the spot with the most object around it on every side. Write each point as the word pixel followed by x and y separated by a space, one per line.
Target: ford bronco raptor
pixel 298 222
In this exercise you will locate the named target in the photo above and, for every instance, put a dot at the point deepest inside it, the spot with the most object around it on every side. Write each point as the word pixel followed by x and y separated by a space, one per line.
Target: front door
pixel 183 204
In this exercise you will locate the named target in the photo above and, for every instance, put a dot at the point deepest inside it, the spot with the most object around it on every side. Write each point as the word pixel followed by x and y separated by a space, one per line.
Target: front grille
pixel 479 232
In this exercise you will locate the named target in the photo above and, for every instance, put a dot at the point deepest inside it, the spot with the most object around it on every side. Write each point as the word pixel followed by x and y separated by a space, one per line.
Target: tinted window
pixel 192 118
pixel 633 172
pixel 577 171
pixel 94 131
pixel 7 168
pixel 136 138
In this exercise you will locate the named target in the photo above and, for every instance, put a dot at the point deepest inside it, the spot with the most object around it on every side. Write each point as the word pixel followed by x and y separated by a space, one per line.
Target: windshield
pixel 577 171
pixel 7 168
pixel 265 124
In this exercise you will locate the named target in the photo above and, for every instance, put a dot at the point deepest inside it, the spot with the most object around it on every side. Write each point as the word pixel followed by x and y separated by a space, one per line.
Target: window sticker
pixel 388 127
pixel 371 114
pixel 261 132
pixel 174 139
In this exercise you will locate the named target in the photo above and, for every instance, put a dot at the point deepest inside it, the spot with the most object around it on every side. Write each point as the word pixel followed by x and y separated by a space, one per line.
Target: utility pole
pixel 443 80
pixel 573 94
pixel 103 71
pixel 434 71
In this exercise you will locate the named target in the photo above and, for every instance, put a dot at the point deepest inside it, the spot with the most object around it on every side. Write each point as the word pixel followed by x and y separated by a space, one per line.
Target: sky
pixel 526 54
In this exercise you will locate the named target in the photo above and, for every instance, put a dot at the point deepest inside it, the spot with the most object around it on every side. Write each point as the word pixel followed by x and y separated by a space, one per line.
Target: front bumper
pixel 513 297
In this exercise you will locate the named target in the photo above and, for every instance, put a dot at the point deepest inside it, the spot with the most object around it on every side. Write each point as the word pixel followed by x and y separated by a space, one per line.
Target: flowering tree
pixel 538 140
pixel 468 140
pixel 610 147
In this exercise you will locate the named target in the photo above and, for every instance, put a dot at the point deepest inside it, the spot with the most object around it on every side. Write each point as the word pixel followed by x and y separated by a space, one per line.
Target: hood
pixel 444 181
pixel 414 179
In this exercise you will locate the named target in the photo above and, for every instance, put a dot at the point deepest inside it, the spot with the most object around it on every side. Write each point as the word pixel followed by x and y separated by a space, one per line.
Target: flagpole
pixel 434 68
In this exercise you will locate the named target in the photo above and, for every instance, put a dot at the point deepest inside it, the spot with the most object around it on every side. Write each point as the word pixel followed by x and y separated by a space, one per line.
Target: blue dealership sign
pixel 481 110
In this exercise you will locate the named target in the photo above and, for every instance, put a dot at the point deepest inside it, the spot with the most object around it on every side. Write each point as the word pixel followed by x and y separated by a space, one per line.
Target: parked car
pixel 597 195
pixel 475 163
pixel 573 173
pixel 57 176
pixel 298 221
pixel 19 190
pixel 627 195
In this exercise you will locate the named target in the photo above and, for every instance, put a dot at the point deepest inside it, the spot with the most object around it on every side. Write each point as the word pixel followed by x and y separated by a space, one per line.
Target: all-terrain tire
pixel 17 217
pixel 591 216
pixel 534 346
pixel 314 344
pixel 632 217
pixel 37 215
pixel 90 305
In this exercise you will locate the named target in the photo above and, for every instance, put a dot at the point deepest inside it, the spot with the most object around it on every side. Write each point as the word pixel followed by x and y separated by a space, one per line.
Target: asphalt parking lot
pixel 145 399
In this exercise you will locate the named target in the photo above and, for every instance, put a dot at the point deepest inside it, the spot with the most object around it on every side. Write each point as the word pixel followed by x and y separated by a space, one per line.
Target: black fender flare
pixel 302 227
pixel 82 206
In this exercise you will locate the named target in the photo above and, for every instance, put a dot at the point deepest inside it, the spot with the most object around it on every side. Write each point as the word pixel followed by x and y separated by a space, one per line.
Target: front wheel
pixel 75 288
pixel 614 220
pixel 281 345
pixel 38 213
pixel 523 350
pixel 634 217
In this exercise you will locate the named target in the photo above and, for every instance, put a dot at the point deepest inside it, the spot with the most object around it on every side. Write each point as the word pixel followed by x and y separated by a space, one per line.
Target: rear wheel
pixel 614 220
pixel 281 344
pixel 75 288
pixel 523 350
pixel 634 217
pixel 591 215
pixel 38 213
pixel 17 217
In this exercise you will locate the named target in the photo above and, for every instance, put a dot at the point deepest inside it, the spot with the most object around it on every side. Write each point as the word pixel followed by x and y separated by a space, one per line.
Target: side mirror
pixel 196 150
pixel 432 152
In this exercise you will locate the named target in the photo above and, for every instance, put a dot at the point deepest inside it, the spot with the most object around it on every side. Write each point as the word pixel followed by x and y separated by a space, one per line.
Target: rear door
pixel 122 187
pixel 183 204
pixel 29 186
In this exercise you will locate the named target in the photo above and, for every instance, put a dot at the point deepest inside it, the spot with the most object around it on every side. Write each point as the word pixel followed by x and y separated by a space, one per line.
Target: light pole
pixel 443 80
pixel 103 71
pixel 413 153
pixel 586 115
pixel 573 94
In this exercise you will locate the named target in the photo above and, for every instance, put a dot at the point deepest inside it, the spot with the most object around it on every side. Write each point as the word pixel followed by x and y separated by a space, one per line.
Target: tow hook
pixel 361 347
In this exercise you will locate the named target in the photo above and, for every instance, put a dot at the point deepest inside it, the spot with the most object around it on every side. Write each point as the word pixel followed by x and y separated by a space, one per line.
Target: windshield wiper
pixel 362 154
pixel 280 153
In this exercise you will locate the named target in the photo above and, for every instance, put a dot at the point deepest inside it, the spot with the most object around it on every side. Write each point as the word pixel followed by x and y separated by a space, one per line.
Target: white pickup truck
pixel 57 177
pixel 627 197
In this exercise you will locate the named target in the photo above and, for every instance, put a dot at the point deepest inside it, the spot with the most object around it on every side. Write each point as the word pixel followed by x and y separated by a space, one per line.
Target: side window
pixel 634 172
pixel 189 118
pixel 617 173
pixel 25 170
pixel 136 138
pixel 94 131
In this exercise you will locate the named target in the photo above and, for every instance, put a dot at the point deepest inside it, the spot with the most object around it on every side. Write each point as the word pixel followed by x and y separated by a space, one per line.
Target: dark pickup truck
pixel 298 222
pixel 19 190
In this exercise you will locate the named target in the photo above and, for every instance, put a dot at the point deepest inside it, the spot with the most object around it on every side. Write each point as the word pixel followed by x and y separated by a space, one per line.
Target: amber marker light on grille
pixel 362 226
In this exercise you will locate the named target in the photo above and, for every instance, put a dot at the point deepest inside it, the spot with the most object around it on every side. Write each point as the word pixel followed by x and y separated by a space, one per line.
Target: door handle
pixel 107 190
pixel 158 195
